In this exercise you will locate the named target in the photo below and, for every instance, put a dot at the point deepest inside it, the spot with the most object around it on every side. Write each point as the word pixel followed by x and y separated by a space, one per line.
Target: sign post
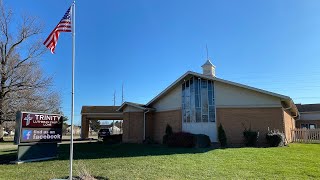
pixel 37 135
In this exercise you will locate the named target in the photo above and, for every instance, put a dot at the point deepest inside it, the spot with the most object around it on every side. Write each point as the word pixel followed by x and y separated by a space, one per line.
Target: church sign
pixel 38 120
pixel 37 135
pixel 39 127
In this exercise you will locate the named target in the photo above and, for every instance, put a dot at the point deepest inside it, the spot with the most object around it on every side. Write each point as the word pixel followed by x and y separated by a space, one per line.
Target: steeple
pixel 209 69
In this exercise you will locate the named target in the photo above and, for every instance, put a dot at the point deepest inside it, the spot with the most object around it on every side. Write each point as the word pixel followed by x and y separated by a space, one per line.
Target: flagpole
pixel 73 23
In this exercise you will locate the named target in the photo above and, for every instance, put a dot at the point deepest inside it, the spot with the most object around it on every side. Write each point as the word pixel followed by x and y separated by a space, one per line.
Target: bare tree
pixel 95 125
pixel 22 84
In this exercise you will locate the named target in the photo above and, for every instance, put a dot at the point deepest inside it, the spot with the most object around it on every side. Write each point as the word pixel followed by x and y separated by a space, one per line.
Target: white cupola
pixel 209 69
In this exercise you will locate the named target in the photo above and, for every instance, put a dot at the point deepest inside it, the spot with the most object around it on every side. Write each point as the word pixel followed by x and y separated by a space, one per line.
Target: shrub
pixel 181 139
pixel 168 129
pixel 202 141
pixel 222 136
pixel 149 140
pixel 113 139
pixel 250 137
pixel 275 139
pixel 168 133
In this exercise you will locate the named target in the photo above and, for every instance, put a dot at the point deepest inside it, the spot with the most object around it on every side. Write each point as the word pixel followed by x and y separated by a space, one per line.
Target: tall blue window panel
pixel 192 101
pixel 183 103
pixel 204 100
pixel 187 101
pixel 198 103
pixel 197 82
pixel 212 111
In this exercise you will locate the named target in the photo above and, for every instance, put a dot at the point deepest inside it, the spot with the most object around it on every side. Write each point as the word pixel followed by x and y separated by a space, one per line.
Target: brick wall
pixel 132 127
pixel 84 127
pixel 289 124
pixel 149 125
pixel 160 121
pixel 234 120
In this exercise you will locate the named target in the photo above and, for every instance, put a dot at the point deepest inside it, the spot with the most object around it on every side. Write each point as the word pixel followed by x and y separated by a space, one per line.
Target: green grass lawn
pixel 132 161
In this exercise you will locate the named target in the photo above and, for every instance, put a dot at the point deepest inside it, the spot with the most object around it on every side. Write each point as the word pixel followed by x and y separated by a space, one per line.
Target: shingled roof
pixel 136 105
pixel 308 107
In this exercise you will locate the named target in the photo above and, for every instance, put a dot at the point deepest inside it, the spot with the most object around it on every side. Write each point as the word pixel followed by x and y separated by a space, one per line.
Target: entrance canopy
pixel 97 113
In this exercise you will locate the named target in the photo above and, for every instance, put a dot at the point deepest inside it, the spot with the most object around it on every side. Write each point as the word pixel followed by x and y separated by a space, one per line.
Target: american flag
pixel 63 26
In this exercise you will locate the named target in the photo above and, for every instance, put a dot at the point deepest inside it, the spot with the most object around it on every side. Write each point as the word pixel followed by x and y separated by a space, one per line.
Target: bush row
pixel 184 139
pixel 274 138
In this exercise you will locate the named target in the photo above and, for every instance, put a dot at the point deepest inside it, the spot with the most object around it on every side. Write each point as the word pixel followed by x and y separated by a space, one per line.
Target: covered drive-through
pixel 89 113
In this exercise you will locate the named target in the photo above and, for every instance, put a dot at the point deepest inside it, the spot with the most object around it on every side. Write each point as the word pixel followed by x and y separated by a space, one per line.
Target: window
pixel 183 103
pixel 308 126
pixel 312 126
pixel 204 100
pixel 198 103
pixel 212 110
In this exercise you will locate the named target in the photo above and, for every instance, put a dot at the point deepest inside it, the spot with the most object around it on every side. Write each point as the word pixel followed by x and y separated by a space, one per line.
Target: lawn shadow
pixel 8 157
pixel 9 150
pixel 97 150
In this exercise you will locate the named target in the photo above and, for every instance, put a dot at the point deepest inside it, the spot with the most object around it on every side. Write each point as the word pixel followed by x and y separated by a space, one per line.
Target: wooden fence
pixel 306 135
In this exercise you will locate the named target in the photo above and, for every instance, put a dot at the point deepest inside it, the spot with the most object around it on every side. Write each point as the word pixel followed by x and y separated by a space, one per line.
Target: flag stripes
pixel 63 26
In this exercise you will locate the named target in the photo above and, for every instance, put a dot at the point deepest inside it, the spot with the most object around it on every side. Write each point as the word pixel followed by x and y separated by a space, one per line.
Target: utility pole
pixel 114 105
pixel 121 104
pixel 122 98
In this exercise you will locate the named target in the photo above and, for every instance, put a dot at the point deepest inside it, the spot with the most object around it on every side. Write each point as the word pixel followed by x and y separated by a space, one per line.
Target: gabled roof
pixel 287 99
pixel 308 107
pixel 99 109
pixel 136 105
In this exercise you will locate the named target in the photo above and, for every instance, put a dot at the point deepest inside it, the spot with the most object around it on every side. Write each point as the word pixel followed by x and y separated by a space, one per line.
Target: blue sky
pixel 272 45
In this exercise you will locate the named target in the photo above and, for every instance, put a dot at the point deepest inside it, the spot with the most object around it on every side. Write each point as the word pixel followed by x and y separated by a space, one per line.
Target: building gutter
pixel 290 107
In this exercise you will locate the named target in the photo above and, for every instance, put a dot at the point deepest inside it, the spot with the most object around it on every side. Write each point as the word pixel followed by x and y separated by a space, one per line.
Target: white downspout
pixel 144 124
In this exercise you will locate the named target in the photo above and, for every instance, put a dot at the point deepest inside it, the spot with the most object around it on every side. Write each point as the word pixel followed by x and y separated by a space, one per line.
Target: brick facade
pixel 84 127
pixel 149 125
pixel 132 127
pixel 160 121
pixel 235 120
pixel 156 123
pixel 289 124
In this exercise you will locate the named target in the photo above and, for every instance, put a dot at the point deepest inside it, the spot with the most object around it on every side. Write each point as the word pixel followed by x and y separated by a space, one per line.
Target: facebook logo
pixel 27 134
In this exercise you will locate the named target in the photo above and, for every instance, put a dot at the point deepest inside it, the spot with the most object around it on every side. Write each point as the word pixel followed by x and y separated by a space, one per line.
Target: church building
pixel 199 102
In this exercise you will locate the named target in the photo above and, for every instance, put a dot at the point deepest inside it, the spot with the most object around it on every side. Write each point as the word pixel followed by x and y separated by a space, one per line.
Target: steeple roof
pixel 208 63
